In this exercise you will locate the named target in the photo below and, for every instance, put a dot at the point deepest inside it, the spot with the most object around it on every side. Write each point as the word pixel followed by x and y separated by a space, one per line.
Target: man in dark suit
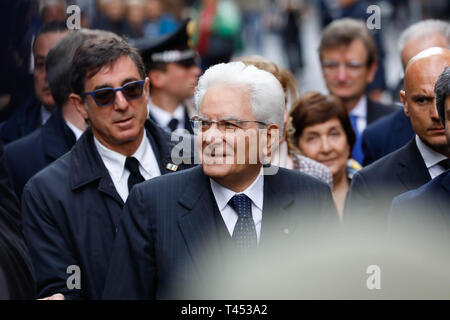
pixel 425 211
pixel 373 188
pixel 169 224
pixel 394 131
pixel 348 57
pixel 16 271
pixel 28 155
pixel 35 111
pixel 173 72
pixel 71 209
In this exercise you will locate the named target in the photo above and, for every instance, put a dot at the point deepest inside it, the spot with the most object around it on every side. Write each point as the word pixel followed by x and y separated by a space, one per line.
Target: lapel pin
pixel 172 167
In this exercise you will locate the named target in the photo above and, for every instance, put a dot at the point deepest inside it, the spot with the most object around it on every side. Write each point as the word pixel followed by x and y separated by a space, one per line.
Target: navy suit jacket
pixel 16 271
pixel 28 155
pixel 169 223
pixel 24 120
pixel 373 187
pixel 71 211
pixel 424 213
pixel 386 135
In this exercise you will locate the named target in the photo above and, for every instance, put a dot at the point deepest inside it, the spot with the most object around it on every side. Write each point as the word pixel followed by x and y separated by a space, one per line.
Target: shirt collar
pixel 45 114
pixel 115 162
pixel 163 117
pixel 360 110
pixel 430 156
pixel 255 192
pixel 77 132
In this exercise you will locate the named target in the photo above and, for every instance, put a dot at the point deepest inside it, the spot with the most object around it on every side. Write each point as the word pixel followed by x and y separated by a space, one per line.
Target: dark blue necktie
pixel 244 233
pixel 173 124
pixel 132 164
pixel 357 152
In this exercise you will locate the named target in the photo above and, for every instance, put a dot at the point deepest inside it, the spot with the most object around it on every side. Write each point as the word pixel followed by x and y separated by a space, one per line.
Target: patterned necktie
pixel 445 164
pixel 357 152
pixel 132 164
pixel 173 124
pixel 244 233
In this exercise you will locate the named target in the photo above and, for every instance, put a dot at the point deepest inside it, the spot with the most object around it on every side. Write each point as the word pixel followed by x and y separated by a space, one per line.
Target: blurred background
pixel 284 31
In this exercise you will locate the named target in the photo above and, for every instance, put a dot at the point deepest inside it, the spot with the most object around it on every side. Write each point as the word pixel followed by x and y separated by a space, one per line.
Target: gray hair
pixel 265 91
pixel 424 28
pixel 442 91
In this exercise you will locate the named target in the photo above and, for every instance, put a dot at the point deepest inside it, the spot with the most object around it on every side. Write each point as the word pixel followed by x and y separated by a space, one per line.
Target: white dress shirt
pixel 360 111
pixel 77 132
pixel 115 163
pixel 431 158
pixel 256 194
pixel 163 117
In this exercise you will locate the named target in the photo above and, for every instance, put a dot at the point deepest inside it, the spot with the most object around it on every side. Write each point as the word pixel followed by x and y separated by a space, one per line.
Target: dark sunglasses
pixel 107 96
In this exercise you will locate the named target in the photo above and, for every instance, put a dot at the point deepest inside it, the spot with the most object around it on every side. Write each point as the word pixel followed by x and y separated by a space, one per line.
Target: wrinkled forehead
pixel 226 101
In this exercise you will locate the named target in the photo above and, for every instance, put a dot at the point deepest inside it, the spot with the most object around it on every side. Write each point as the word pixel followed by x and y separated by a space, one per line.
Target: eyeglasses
pixel 223 125
pixel 106 96
pixel 333 66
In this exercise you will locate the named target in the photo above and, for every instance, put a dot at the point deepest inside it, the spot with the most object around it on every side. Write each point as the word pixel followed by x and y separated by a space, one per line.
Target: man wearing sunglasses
pixel 171 223
pixel 72 208
pixel 173 71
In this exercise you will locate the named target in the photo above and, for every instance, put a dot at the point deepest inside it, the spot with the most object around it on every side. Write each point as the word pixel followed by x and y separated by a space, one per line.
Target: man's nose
pixel 342 72
pixel 120 102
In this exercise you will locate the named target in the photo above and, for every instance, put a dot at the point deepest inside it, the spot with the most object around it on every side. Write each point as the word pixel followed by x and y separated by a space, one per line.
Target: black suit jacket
pixel 71 211
pixel 16 272
pixel 25 119
pixel 386 135
pixel 28 155
pixel 425 214
pixel 169 223
pixel 373 188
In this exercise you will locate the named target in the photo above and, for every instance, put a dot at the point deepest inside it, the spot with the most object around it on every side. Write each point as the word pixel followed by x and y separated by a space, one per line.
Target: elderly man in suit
pixel 373 188
pixel 427 208
pixel 229 201
pixel 395 130
pixel 348 58
pixel 71 209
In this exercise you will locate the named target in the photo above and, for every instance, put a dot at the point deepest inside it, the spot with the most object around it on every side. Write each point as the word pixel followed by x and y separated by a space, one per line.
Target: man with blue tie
pixel 231 200
pixel 348 58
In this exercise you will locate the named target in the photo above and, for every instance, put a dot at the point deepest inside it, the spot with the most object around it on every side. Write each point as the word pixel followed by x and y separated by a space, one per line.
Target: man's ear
pixel 77 101
pixel 372 71
pixel 272 141
pixel 157 78
pixel 404 102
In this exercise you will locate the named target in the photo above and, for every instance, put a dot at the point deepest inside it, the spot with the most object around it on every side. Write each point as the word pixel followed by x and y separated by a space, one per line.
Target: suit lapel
pixel 444 195
pixel 413 172
pixel 277 201
pixel 197 224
